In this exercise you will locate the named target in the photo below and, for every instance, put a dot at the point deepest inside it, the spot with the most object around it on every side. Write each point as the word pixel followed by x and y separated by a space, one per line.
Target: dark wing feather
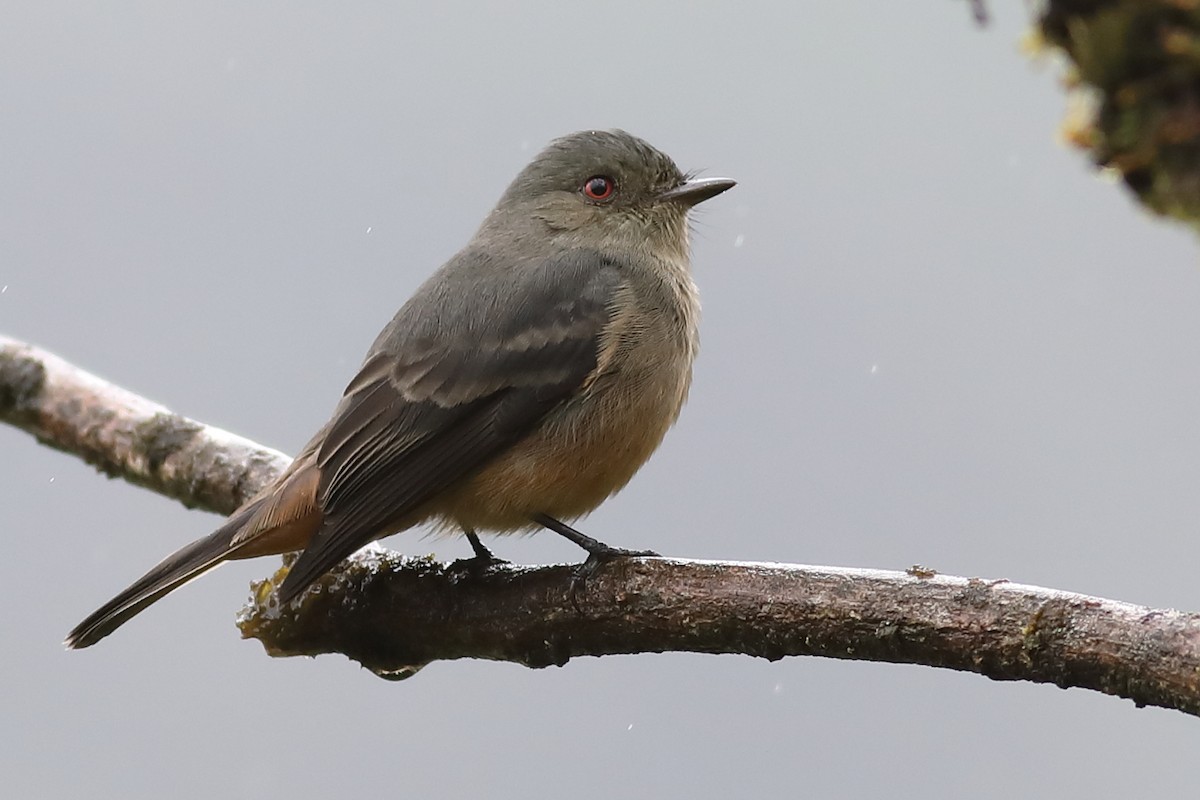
pixel 452 382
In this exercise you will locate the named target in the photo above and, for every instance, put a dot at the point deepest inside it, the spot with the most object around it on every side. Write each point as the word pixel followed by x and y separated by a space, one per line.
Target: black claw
pixel 584 570
pixel 608 553
pixel 601 556
pixel 598 552
pixel 483 559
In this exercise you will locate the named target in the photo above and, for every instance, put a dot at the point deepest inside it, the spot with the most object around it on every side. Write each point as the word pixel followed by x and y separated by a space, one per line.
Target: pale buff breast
pixel 593 445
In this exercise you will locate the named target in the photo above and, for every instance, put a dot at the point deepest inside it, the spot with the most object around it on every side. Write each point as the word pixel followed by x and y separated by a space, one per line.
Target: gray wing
pixel 466 369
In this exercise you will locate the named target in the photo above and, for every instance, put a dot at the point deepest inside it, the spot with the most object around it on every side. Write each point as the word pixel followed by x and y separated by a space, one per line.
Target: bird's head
pixel 606 190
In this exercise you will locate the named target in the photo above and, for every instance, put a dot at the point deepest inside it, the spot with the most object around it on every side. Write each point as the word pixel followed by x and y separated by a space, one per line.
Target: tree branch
pixel 127 436
pixel 395 614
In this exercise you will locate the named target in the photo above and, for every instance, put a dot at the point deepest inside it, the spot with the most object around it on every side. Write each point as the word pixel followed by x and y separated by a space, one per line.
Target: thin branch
pixel 395 614
pixel 127 436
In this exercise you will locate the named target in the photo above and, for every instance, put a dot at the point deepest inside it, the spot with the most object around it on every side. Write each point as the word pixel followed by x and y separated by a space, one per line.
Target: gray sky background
pixel 932 334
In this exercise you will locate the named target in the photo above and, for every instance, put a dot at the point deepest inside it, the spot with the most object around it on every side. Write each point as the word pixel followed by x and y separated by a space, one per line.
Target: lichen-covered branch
pixel 1135 74
pixel 396 614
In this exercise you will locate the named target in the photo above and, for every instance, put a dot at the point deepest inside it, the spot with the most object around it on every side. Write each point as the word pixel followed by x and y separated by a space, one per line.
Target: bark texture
pixel 395 614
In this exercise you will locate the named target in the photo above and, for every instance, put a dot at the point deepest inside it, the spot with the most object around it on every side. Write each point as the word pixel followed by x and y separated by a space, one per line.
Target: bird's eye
pixel 599 188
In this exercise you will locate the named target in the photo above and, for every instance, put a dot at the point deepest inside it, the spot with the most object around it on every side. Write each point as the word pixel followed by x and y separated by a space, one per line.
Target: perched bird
pixel 523 383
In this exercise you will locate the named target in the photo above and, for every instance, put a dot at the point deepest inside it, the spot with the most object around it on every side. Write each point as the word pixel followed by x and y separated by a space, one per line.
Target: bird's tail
pixel 185 564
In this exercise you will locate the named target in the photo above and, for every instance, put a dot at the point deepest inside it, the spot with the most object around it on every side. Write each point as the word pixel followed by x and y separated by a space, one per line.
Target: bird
pixel 519 387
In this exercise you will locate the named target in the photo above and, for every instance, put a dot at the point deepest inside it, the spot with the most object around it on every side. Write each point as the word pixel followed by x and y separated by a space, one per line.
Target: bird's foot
pixel 598 552
pixel 604 554
pixel 483 560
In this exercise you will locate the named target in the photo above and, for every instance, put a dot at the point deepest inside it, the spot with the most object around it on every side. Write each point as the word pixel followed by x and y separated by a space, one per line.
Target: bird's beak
pixel 697 190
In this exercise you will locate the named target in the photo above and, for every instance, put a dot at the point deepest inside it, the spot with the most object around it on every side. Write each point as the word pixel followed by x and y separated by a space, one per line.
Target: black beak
pixel 697 190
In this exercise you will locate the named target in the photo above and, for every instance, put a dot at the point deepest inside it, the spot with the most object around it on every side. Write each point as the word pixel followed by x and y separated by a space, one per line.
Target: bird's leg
pixel 597 550
pixel 482 559
pixel 481 552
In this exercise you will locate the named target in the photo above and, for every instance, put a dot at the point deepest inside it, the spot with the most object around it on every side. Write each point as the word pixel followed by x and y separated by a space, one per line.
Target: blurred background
pixel 932 334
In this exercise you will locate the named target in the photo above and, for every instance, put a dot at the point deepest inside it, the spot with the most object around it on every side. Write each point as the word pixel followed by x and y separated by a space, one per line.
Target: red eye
pixel 599 187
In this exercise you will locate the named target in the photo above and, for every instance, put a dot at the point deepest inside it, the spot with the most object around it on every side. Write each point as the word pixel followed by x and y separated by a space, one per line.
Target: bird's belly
pixel 578 458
